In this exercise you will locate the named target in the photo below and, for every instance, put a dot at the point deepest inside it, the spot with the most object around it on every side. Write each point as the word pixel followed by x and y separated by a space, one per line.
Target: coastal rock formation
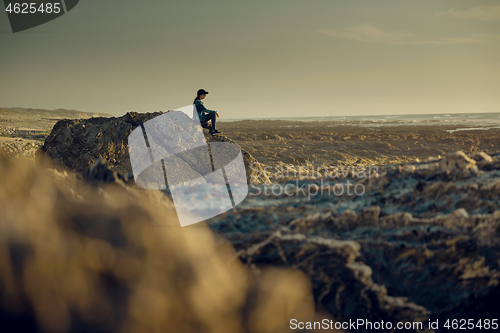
pixel 377 258
pixel 100 173
pixel 78 143
pixel 20 147
pixel 341 282
pixel 421 242
pixel 357 142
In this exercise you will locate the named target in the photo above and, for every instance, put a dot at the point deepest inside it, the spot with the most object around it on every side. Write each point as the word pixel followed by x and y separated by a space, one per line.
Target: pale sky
pixel 259 58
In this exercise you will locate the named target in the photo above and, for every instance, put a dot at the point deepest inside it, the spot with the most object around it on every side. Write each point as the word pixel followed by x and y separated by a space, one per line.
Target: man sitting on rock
pixel 204 114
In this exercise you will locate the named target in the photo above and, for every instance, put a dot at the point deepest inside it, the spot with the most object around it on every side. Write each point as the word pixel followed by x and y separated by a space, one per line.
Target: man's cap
pixel 202 92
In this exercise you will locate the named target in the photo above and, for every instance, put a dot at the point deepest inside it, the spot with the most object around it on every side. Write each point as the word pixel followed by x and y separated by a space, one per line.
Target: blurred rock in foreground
pixel 78 258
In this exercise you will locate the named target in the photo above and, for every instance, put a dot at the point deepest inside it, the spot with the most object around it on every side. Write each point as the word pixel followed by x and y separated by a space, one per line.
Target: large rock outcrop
pixel 79 143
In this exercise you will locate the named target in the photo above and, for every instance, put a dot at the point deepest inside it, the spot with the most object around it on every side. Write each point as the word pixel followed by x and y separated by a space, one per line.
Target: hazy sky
pixel 259 58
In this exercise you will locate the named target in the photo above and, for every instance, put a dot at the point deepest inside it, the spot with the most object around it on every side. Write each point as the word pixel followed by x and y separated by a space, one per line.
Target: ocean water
pixel 491 119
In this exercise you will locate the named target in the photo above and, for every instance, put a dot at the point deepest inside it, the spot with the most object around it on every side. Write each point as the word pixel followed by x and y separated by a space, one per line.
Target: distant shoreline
pixel 462 119
pixel 22 110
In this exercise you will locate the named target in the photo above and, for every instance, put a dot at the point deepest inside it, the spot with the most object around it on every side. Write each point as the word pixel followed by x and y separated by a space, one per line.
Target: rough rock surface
pixel 76 258
pixel 20 147
pixel 357 142
pixel 421 242
pixel 78 143
pixel 392 254
pixel 100 173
